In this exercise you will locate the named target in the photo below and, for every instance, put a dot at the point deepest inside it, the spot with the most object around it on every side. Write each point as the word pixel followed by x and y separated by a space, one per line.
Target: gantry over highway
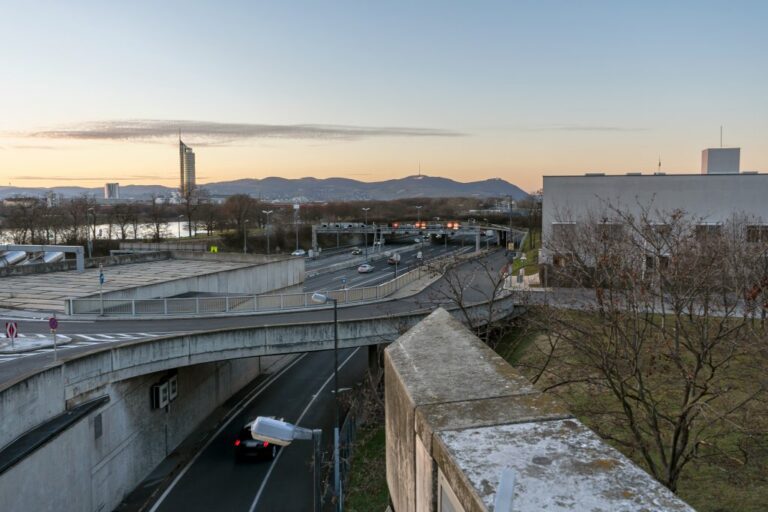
pixel 448 230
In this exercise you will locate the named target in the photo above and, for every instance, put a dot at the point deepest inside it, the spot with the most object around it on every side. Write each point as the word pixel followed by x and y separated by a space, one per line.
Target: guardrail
pixel 244 303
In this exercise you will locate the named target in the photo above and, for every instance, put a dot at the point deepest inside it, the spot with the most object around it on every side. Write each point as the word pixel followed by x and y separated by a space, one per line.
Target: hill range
pixel 308 189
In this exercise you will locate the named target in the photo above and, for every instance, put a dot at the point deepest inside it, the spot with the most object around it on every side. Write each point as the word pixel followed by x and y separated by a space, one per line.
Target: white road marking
pixel 298 422
pixel 245 402
pixel 87 337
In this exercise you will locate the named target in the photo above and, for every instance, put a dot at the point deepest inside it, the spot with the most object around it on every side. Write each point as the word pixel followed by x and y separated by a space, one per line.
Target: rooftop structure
pixel 720 161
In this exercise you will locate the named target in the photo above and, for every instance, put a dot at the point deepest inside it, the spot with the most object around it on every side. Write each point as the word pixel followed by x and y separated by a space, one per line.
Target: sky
pixel 94 91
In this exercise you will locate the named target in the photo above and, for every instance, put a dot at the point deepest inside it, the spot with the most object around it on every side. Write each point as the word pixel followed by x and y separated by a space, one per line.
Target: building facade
pixel 187 169
pixel 711 198
pixel 111 191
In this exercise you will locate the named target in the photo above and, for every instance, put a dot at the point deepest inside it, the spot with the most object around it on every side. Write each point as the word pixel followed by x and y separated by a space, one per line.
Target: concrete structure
pixel 714 198
pixel 720 161
pixel 111 448
pixel 186 169
pixel 94 463
pixel 111 191
pixel 164 275
pixel 458 417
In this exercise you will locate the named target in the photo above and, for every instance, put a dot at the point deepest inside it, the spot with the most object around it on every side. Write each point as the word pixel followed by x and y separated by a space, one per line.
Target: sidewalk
pixel 28 344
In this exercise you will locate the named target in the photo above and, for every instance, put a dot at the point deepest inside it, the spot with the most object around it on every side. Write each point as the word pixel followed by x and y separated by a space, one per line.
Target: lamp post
pixel 366 232
pixel 321 298
pixel 178 224
pixel 282 433
pixel 296 223
pixel 418 216
pixel 267 213
pixel 245 235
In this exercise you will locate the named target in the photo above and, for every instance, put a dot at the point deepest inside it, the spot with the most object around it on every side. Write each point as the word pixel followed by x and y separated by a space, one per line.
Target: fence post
pixel 226 304
pixel 165 306
pixel 282 301
pixel 255 302
pixel 197 305
pixel 133 307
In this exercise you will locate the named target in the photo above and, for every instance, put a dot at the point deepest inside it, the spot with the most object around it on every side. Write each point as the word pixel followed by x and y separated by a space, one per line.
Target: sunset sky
pixel 95 91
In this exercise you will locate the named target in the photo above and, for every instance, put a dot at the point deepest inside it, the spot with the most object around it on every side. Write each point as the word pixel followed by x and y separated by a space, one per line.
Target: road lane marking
pixel 234 412
pixel 298 423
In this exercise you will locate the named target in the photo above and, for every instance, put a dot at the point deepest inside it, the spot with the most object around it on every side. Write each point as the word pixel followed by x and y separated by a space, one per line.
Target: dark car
pixel 246 447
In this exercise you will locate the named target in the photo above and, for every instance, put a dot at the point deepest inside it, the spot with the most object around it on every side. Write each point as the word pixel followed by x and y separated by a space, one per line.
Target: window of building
pixel 563 231
pixel 708 230
pixel 757 234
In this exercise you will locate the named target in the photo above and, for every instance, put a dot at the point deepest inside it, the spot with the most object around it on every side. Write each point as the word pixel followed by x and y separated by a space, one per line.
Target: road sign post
pixel 101 289
pixel 53 324
pixel 11 329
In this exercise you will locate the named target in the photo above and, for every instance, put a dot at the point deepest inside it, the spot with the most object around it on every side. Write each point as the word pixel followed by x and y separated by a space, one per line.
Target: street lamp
pixel 366 232
pixel 267 213
pixel 296 223
pixel 282 433
pixel 321 298
pixel 245 235
pixel 178 224
pixel 418 215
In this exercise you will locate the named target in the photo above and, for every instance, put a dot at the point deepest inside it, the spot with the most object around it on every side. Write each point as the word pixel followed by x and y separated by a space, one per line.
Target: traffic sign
pixel 53 323
pixel 11 330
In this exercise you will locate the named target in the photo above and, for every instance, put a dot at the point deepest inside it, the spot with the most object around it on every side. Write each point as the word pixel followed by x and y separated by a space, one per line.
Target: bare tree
pixel 663 331
pixel 158 212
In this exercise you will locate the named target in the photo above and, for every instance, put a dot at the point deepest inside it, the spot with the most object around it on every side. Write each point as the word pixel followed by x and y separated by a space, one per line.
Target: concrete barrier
pixel 465 432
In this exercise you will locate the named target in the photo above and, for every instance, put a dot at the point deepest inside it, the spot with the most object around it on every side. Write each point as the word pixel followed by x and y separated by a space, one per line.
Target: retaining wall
pixel 82 470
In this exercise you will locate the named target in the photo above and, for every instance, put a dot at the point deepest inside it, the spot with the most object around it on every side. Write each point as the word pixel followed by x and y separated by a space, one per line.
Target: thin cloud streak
pixel 148 130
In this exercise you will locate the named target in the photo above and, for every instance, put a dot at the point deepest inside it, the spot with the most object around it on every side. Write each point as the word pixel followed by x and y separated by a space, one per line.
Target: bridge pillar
pixel 314 238
pixel 477 240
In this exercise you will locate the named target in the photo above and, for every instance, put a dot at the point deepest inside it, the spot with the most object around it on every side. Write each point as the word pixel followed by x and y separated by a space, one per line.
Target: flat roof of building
pixel 46 292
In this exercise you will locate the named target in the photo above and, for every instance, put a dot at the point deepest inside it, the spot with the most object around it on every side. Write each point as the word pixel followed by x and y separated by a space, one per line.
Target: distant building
pixel 111 191
pixel 187 169
pixel 51 199
pixel 26 202
pixel 720 161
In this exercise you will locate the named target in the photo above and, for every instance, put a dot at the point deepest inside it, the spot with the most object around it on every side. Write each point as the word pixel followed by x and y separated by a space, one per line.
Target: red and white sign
pixel 11 330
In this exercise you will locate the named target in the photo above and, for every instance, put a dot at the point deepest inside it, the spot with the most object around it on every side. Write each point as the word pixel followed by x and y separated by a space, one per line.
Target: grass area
pixel 731 475
pixel 531 262
pixel 367 490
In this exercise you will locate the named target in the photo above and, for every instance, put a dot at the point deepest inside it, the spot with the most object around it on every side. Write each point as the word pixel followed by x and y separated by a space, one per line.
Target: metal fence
pixel 245 303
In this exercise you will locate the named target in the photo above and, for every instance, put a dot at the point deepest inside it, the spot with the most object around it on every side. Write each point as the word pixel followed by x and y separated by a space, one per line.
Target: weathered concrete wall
pixel 79 471
pixel 252 280
pixel 457 416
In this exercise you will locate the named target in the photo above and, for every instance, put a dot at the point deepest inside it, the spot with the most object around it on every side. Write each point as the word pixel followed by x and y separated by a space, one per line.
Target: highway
pixel 303 395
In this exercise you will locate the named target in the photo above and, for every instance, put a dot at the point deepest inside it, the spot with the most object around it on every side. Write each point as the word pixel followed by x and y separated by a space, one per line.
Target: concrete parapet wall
pixel 261 277
pixel 90 469
pixel 458 417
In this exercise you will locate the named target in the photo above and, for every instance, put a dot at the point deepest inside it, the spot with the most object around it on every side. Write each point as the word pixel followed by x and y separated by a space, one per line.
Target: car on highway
pixel 365 268
pixel 391 260
pixel 357 251
pixel 299 252
pixel 246 447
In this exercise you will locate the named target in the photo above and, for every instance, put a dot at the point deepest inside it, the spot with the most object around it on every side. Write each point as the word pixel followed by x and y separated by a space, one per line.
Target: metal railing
pixel 246 303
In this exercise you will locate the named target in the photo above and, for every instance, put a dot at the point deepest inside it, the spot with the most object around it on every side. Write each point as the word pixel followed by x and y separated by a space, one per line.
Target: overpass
pixel 115 434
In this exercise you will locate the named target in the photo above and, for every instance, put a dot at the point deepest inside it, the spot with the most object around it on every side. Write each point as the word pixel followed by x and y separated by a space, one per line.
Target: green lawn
pixel 367 491
pixel 733 476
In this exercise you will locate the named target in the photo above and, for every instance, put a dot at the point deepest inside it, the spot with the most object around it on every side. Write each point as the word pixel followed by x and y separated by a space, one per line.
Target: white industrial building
pixel 712 197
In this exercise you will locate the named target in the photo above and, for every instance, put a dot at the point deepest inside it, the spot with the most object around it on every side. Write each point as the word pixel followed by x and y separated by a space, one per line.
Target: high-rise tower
pixel 187 169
